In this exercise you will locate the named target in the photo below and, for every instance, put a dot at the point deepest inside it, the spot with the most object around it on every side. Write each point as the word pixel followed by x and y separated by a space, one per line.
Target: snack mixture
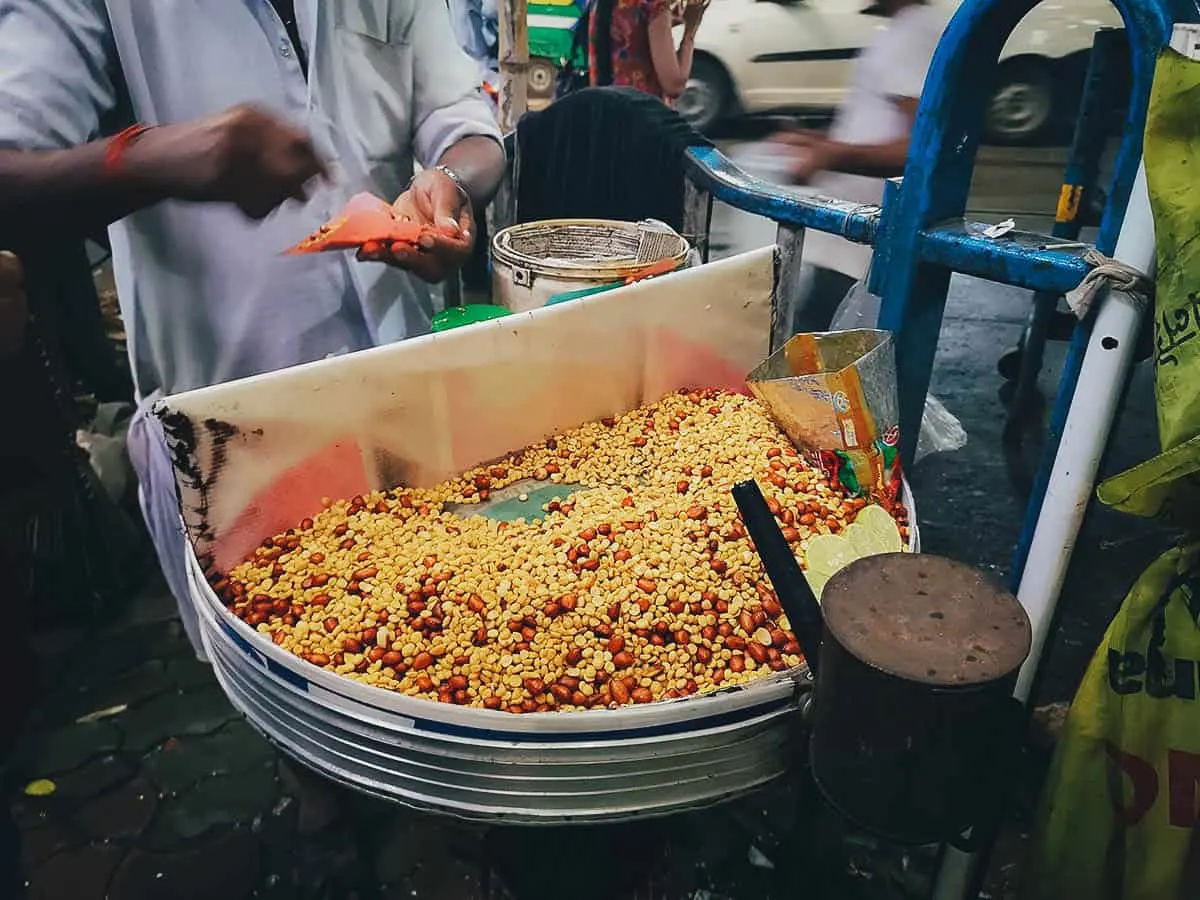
pixel 637 584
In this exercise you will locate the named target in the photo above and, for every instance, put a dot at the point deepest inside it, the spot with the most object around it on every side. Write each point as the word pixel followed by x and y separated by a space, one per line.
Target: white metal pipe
pixel 1102 380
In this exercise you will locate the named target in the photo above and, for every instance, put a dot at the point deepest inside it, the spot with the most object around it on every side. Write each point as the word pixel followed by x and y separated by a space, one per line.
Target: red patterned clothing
pixel 630 40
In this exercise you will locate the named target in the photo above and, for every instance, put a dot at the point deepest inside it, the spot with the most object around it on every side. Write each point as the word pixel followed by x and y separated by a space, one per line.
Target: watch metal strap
pixel 457 179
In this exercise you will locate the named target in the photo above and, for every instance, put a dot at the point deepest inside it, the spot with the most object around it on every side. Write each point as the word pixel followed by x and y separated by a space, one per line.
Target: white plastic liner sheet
pixel 255 456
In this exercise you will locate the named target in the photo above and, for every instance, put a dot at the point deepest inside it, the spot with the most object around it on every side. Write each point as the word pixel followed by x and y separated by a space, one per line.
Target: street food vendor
pixel 267 117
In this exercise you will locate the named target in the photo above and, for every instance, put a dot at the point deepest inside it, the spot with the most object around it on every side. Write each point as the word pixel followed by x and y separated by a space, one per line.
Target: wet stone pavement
pixel 137 780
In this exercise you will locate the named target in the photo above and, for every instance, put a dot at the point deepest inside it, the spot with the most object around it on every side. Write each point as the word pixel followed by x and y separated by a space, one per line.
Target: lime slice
pixel 884 535
pixel 862 539
pixel 827 554
pixel 872 532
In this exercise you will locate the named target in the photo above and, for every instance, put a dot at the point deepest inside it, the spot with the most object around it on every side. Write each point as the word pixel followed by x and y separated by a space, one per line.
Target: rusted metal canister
pixel 917 666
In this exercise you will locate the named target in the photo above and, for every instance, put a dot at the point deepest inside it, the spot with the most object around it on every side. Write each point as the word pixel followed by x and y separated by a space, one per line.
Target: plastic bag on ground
pixel 941 431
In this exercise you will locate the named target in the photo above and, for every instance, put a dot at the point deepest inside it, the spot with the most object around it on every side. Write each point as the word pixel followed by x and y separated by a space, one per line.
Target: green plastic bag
pixel 1119 811
pixel 1168 486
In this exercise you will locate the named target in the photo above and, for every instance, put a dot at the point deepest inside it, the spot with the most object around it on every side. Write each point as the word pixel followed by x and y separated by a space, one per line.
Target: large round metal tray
pixel 588 766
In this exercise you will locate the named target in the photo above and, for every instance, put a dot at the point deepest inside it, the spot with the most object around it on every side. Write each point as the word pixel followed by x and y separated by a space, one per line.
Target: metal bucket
pixel 533 262
pixel 912 709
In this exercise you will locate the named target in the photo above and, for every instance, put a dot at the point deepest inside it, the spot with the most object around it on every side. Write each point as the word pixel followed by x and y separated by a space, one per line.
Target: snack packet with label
pixel 834 395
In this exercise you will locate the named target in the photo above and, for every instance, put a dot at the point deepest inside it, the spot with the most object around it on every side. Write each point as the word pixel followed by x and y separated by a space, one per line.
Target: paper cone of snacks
pixel 834 395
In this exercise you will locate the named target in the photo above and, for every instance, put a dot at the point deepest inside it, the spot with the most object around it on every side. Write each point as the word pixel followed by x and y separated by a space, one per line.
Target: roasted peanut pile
pixel 638 584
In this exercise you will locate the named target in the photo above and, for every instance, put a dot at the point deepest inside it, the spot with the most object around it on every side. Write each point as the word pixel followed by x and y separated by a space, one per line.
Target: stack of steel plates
pixel 588 766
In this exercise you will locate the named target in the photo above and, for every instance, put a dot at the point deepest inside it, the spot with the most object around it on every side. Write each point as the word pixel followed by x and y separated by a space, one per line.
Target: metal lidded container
pixel 535 261
pixel 912 709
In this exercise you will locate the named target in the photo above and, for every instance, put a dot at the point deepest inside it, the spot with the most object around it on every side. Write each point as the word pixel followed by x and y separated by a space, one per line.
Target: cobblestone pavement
pixel 154 786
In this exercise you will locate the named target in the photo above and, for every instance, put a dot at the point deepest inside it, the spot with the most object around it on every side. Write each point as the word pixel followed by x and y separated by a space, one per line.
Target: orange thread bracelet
pixel 118 144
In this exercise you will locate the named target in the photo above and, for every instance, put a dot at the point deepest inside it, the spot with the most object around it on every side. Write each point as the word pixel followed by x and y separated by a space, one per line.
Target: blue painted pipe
pixel 1084 160
pixel 937 180
pixel 1082 172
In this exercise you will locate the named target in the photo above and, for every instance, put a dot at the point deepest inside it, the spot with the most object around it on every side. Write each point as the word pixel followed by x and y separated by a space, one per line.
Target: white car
pixel 755 56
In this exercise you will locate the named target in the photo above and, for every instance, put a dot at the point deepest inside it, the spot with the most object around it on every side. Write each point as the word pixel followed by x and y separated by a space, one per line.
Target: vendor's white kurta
pixel 205 294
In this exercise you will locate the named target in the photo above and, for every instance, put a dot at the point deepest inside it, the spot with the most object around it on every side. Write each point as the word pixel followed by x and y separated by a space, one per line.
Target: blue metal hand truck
pixel 921 239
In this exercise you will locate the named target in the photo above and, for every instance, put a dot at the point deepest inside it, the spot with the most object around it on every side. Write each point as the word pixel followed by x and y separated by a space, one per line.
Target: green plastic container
pixel 457 316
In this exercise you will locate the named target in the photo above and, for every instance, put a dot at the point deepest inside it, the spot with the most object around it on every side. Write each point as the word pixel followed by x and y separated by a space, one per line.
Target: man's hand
pixel 808 153
pixel 798 137
pixel 14 313
pixel 810 161
pixel 432 199
pixel 812 152
pixel 244 156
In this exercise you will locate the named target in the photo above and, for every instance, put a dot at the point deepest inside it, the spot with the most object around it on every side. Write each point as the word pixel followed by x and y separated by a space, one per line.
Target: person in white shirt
pixel 867 144
pixel 259 120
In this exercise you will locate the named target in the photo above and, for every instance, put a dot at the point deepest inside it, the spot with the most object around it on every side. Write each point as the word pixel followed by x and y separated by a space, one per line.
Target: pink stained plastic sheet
pixel 254 457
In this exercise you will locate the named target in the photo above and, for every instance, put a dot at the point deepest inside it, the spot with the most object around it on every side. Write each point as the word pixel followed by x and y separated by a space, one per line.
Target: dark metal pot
pixel 913 705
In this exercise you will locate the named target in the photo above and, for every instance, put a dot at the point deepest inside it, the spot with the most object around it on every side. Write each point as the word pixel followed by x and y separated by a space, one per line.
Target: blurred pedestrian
pixel 632 44
pixel 477 29
pixel 867 143
pixel 238 152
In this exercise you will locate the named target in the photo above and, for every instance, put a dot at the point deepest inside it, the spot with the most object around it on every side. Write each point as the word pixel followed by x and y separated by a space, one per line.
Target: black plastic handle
pixel 795 594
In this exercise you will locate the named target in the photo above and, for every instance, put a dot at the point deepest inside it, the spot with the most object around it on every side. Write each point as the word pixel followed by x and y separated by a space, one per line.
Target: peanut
pixel 618 595
pixel 620 693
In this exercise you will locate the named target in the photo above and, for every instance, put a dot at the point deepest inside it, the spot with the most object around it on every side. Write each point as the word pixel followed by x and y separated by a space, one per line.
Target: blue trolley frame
pixel 921 239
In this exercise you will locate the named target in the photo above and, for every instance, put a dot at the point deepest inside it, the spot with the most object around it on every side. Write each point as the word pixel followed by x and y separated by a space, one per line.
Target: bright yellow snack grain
pixel 637 584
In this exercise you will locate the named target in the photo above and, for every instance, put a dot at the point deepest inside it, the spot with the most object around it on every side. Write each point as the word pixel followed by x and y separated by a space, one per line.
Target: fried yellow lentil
pixel 638 584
